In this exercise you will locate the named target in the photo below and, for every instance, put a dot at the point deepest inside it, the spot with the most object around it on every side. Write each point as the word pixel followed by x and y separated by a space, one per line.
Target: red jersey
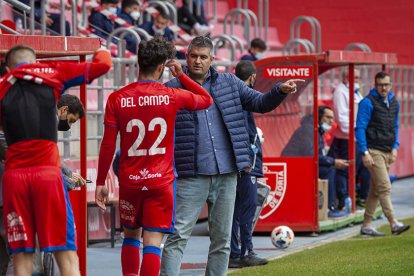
pixel 58 76
pixel 144 113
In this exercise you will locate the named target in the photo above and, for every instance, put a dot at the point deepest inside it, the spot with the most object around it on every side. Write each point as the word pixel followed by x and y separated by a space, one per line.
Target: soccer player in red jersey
pixel 144 114
pixel 34 193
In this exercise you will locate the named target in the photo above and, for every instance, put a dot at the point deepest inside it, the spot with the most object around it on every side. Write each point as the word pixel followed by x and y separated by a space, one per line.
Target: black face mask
pixel 63 125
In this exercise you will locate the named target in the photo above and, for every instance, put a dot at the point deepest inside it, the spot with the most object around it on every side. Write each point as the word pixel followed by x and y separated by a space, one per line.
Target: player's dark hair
pixel 381 75
pixel 10 54
pixel 162 13
pixel 244 69
pixel 73 103
pixel 321 111
pixel 129 3
pixel 258 43
pixel 202 41
pixel 153 53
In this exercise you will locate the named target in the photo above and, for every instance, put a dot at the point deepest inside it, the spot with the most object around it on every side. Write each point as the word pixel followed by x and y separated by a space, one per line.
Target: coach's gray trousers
pixel 219 191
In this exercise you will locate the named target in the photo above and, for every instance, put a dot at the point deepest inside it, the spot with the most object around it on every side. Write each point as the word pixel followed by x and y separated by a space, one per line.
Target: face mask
pixel 63 125
pixel 356 87
pixel 135 15
pixel 259 55
pixel 326 127
pixel 157 31
pixel 112 9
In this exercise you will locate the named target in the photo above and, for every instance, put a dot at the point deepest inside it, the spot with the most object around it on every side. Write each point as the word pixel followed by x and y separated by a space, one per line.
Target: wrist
pixel 365 153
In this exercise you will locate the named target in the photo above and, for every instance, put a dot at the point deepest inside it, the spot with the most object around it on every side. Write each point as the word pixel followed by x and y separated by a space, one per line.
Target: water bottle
pixel 348 205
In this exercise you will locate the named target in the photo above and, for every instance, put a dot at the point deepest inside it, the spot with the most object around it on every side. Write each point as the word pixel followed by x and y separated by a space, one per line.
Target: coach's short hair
pixel 153 53
pixel 381 75
pixel 202 41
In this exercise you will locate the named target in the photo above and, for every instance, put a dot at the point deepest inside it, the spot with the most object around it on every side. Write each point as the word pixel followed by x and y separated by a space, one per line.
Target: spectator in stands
pixel 246 192
pixel 208 173
pixel 377 138
pixel 327 164
pixel 190 21
pixel 339 146
pixel 256 50
pixel 52 19
pixel 159 26
pixel 299 144
pixel 130 11
pixel 33 157
pixel 102 25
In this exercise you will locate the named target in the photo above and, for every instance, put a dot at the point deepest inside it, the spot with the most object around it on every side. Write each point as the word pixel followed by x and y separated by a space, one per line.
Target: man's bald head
pixel 19 54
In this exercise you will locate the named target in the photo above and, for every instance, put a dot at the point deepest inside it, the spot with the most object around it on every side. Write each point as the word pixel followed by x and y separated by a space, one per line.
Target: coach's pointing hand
pixel 289 86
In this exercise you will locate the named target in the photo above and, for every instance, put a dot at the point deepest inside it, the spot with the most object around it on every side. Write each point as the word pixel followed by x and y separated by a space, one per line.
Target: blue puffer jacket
pixel 231 96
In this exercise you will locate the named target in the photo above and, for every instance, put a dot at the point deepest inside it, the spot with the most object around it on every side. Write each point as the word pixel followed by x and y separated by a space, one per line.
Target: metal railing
pixel 248 16
pixel 358 45
pixel 293 46
pixel 316 36
pixel 24 9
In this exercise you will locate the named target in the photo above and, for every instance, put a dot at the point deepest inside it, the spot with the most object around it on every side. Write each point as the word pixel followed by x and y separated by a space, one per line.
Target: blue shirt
pixel 214 152
pixel 365 109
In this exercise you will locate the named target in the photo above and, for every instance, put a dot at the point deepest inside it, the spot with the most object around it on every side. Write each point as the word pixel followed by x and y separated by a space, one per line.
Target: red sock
pixel 130 257
pixel 151 261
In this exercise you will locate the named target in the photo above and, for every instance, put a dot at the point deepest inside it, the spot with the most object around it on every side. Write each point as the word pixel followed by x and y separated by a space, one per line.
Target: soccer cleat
pixel 398 228
pixel 371 231
pixel 252 259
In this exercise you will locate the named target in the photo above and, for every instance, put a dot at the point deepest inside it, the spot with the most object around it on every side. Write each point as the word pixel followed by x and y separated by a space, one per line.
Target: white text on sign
pixel 304 72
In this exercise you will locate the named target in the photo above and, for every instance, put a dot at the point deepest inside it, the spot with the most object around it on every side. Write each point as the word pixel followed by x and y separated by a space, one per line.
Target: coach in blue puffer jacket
pixel 211 147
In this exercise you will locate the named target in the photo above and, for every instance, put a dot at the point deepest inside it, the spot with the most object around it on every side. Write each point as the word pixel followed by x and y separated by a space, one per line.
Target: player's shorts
pixel 36 201
pixel 152 209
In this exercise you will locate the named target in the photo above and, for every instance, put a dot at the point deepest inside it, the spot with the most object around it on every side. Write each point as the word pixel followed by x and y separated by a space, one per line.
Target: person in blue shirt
pixel 130 12
pixel 377 138
pixel 256 50
pixel 101 25
pixel 159 26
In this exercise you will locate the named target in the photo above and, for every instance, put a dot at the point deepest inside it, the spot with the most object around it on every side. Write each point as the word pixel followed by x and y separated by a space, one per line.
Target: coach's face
pixel 383 86
pixel 199 61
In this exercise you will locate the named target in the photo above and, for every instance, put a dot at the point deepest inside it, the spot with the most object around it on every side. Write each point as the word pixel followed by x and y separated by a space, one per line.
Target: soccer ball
pixel 282 237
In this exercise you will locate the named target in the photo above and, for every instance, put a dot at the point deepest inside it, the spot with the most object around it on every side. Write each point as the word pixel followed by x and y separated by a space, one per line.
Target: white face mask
pixel 326 126
pixel 259 55
pixel 157 31
pixel 356 86
pixel 135 15
pixel 112 9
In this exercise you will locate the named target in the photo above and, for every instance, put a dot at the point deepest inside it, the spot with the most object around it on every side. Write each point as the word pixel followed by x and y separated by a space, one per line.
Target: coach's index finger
pixel 295 81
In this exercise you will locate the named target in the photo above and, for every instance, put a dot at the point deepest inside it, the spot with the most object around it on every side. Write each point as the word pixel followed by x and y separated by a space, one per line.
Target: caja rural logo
pixel 275 174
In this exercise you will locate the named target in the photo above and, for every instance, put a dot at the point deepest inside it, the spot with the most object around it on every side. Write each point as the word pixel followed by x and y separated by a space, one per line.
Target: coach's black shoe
pixel 252 259
pixel 235 263
pixel 398 228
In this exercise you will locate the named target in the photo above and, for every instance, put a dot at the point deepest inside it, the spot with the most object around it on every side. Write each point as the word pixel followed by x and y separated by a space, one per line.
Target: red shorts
pixel 36 201
pixel 153 209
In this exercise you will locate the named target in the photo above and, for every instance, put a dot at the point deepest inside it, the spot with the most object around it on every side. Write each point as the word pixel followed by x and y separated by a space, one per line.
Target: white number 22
pixel 133 150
